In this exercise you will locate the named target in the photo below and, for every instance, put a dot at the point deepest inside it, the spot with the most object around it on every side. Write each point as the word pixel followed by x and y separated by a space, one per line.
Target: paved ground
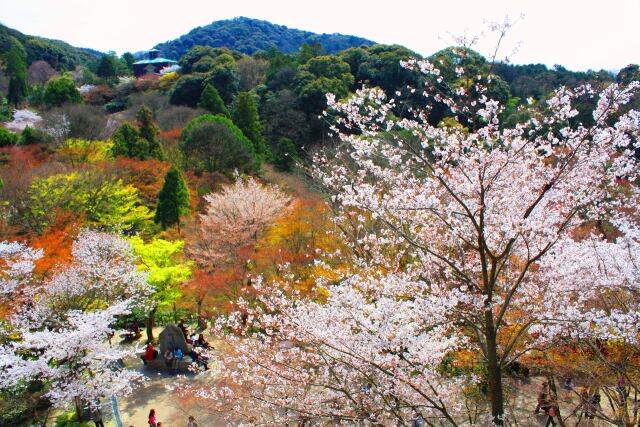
pixel 157 393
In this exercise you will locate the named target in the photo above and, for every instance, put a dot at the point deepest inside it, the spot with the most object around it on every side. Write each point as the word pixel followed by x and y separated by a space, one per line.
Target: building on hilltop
pixel 153 64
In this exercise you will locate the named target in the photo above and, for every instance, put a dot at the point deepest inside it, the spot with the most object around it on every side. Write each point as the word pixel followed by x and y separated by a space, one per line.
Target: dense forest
pixel 370 236
pixel 58 54
pixel 248 36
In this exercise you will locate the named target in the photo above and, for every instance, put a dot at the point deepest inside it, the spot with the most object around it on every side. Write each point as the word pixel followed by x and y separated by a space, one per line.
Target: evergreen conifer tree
pixel 173 199
pixel 245 116
pixel 285 154
pixel 211 101
pixel 149 131
pixel 16 67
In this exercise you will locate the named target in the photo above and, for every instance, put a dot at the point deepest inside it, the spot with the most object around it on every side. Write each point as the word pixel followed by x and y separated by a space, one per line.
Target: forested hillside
pixel 248 35
pixel 60 55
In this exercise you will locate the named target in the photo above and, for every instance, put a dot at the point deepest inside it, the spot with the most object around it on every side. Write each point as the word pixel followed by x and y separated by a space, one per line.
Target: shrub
pixel 83 121
pixel 116 106
pixel 7 137
pixel 33 136
pixel 215 144
pixel 61 90
pixel 176 117
pixel 187 90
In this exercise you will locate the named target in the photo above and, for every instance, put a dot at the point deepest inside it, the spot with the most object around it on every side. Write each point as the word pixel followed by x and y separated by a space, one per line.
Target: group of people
pixel 548 403
pixel 173 355
pixel 153 422
pixel 588 408
pixel 131 331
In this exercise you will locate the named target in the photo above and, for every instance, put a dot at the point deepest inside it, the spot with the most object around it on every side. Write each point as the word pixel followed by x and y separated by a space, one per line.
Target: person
pixel 96 416
pixel 542 397
pixel 202 342
pixel 551 410
pixel 177 357
pixel 150 353
pixel 152 418
pixel 192 422
pixel 168 357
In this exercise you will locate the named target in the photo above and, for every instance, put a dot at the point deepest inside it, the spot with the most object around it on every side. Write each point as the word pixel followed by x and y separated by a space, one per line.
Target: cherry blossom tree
pixel 65 322
pixel 234 218
pixel 467 237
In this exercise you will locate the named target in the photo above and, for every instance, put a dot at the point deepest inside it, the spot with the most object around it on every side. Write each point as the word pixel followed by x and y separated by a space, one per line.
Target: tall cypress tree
pixel 245 116
pixel 173 199
pixel 211 101
pixel 149 131
pixel 16 67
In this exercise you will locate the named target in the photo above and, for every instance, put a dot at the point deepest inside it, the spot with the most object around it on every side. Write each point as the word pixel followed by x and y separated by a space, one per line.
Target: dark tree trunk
pixel 150 324
pixel 494 372
pixel 78 409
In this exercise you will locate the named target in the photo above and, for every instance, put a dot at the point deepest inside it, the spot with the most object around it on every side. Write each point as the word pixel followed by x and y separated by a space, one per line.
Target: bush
pixel 176 117
pixel 187 91
pixel 69 420
pixel 214 144
pixel 82 121
pixel 116 106
pixel 33 136
pixel 7 137
pixel 285 155
pixel 61 90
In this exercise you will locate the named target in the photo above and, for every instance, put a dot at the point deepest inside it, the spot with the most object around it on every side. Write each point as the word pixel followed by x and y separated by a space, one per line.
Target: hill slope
pixel 250 35
pixel 60 55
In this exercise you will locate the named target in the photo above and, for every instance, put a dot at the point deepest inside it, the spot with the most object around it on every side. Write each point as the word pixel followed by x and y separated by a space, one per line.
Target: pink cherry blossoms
pixel 465 236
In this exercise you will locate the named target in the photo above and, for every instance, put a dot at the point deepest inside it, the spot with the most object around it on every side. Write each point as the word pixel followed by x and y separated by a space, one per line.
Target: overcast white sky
pixel 579 34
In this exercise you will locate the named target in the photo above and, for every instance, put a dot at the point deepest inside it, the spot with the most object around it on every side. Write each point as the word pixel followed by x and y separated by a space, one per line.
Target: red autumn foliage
pixel 56 242
pixel 171 135
pixel 147 82
pixel 145 175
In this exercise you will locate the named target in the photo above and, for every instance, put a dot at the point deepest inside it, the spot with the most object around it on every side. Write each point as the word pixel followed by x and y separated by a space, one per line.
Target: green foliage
pixel 127 142
pixel 285 155
pixel 225 78
pixel 128 59
pixel 210 100
pixel 138 143
pixel 81 151
pixel 21 405
pixel 61 90
pixel 107 67
pixel 15 65
pixel 208 57
pixel 33 136
pixel 187 90
pixel 60 55
pixel 69 420
pixel 319 76
pixel 245 116
pixel 214 144
pixel 308 51
pixel 379 65
pixel 5 111
pixel 537 81
pixel 149 132
pixel 166 269
pixel 251 35
pixel 7 137
pixel 104 201
pixel 283 117
pixel 173 199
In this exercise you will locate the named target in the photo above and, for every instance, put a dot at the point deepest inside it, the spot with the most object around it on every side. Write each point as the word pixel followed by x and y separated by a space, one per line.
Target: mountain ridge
pixel 58 53
pixel 248 35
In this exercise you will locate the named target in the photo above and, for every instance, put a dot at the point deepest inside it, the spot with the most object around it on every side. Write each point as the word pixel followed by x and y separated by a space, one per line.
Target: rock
pixel 172 337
